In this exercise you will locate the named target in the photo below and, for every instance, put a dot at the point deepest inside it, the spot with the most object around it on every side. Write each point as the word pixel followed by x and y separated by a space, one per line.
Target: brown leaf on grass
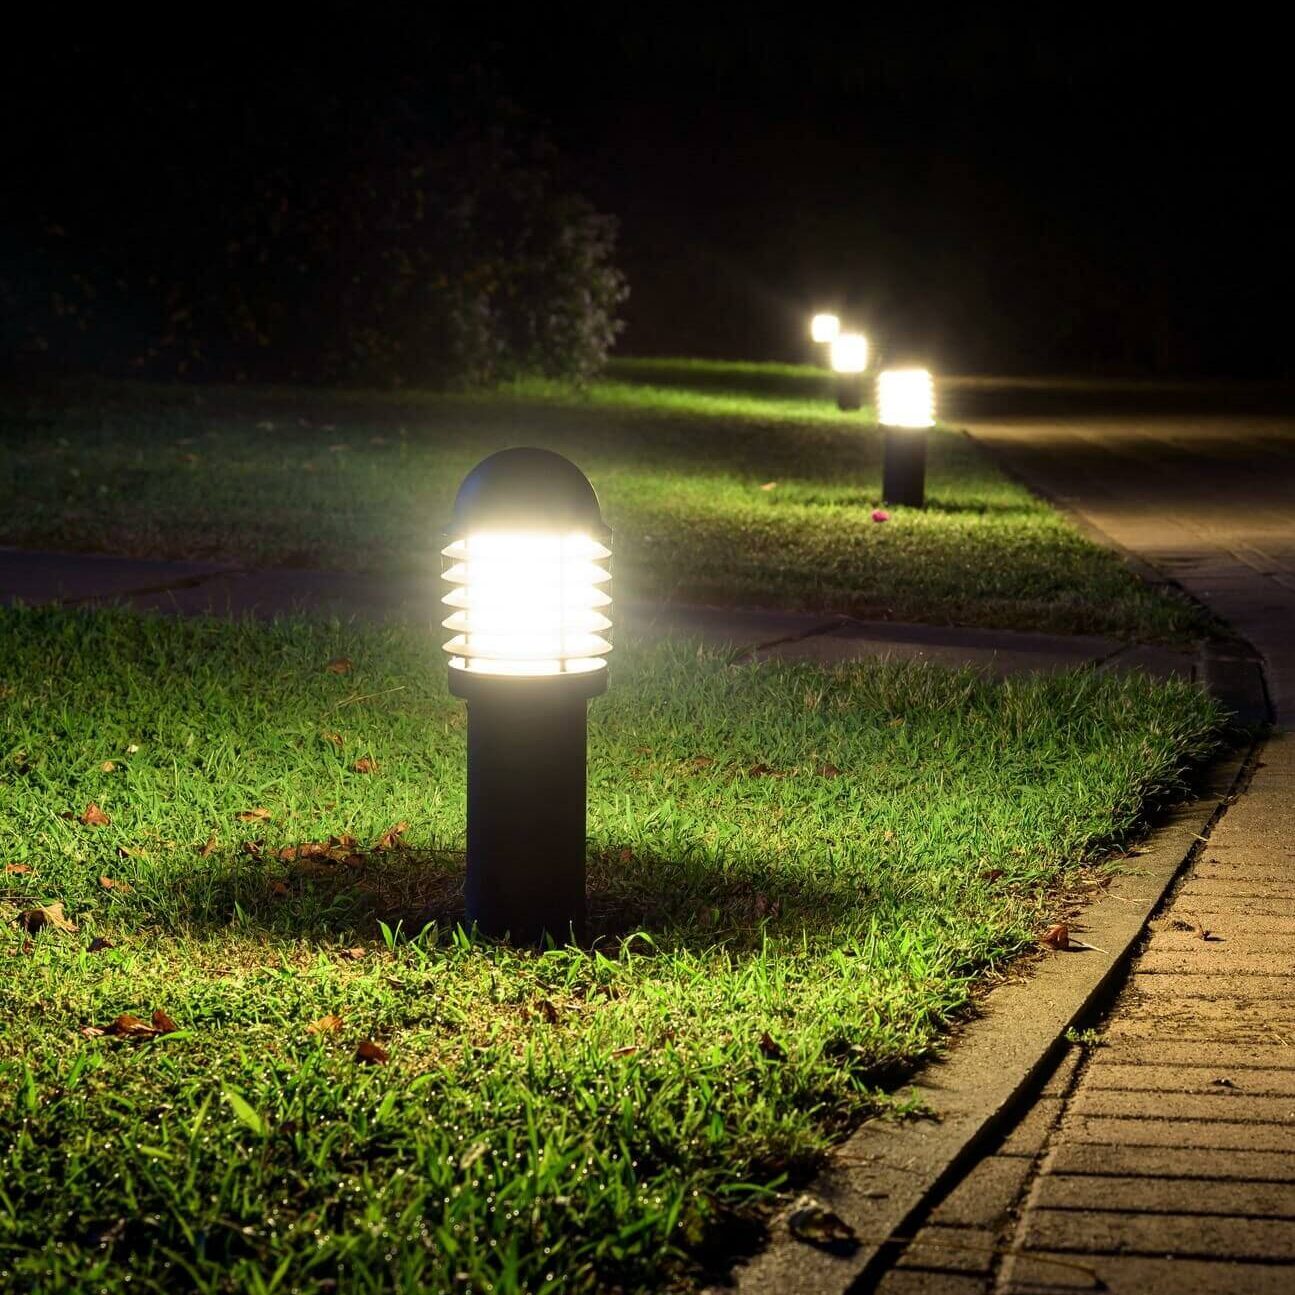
pixel 18 869
pixel 365 764
pixel 812 1222
pixel 258 815
pixel 1057 936
pixel 162 1023
pixel 390 839
pixel 335 739
pixel 110 883
pixel 339 665
pixel 701 762
pixel 252 848
pixel 94 816
pixel 329 1024
pixel 352 955
pixel 769 485
pixel 208 848
pixel 343 842
pixel 129 1026
pixel 90 1032
pixel 771 1048
pixel 371 1054
pixel 544 1008
pixel 764 771
pixel 279 890
pixel 625 1052
pixel 37 919
pixel 828 771
pixel 353 861
pixel 108 766
pixel 991 874
pixel 99 944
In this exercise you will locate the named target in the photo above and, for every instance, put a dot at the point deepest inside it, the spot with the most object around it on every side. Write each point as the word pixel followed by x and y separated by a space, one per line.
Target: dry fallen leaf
pixel 205 850
pixel 812 1222
pixel 769 485
pixel 625 1052
pixel 328 1024
pixel 390 839
pixel 162 1023
pixel 763 771
pixel 252 848
pixel 90 1032
pixel 546 1009
pixel 1056 937
pixel 339 665
pixel 771 1048
pixel 109 883
pixel 991 874
pixel 258 815
pixel 128 1026
pixel 18 869
pixel 352 955
pixel 365 765
pixel 370 1053
pixel 343 842
pixel 108 766
pixel 99 944
pixel 94 816
pixel 335 739
pixel 279 889
pixel 36 919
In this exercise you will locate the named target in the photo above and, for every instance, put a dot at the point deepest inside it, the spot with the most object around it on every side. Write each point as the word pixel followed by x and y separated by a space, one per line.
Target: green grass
pixel 828 856
pixel 725 483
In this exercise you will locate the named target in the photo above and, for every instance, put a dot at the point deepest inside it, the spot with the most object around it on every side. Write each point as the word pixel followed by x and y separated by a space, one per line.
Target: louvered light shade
pixel 905 398
pixel 527 603
pixel 850 353
pixel 824 328
pixel 528 570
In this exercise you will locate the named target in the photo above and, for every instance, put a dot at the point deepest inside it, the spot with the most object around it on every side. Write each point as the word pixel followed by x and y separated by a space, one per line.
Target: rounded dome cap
pixel 527 489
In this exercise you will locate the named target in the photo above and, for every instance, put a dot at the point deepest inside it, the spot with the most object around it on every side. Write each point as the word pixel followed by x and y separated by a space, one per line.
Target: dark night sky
pixel 995 196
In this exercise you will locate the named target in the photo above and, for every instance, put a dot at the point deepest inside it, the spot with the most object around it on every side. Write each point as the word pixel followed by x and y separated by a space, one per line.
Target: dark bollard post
pixel 849 360
pixel 905 410
pixel 528 565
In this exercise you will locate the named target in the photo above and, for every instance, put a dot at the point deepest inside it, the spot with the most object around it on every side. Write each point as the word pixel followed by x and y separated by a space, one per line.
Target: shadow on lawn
pixel 681 905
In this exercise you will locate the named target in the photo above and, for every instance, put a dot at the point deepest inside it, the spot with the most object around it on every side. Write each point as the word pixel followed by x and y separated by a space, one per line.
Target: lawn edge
pixel 889 1172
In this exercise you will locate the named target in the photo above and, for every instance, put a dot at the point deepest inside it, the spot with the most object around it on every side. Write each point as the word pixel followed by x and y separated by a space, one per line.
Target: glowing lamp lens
pixel 527 604
pixel 850 353
pixel 824 328
pixel 905 398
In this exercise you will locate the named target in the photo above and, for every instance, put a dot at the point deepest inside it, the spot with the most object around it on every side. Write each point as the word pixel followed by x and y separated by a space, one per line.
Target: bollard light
pixel 849 360
pixel 824 328
pixel 905 410
pixel 528 569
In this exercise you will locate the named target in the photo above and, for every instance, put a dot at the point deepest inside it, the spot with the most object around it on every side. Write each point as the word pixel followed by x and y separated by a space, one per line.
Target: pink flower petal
pixel 880 515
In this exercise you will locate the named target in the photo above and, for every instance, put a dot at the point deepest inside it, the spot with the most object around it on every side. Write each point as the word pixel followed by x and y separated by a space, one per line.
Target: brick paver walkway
pixel 1163 1160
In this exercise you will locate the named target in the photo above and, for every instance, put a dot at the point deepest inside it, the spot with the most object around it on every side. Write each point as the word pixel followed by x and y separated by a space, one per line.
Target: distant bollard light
pixel 905 410
pixel 527 564
pixel 824 328
pixel 849 360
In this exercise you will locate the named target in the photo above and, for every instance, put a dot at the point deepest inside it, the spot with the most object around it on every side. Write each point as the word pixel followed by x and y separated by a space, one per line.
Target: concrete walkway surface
pixel 193 588
pixel 1162 1158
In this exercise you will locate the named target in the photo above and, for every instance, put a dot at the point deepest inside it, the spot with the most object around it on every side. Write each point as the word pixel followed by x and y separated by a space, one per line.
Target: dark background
pixel 991 194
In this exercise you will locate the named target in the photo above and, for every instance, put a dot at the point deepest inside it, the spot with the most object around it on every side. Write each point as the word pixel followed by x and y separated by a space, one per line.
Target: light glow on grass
pixel 825 855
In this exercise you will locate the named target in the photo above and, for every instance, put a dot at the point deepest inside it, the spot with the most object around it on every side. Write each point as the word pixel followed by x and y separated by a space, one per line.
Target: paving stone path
pixel 1163 1158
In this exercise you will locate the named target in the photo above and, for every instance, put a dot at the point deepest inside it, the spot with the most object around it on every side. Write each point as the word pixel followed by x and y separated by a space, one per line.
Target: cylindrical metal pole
pixel 849 391
pixel 526 812
pixel 903 473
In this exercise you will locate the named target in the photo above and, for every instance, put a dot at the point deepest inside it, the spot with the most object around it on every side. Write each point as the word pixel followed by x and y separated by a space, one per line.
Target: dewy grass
pixel 724 483
pixel 796 872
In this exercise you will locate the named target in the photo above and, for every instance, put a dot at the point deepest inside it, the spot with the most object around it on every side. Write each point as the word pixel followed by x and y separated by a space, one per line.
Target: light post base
pixel 527 750
pixel 903 473
pixel 849 392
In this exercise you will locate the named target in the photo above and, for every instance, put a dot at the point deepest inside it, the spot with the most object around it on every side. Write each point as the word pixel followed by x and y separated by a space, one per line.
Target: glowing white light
pixel 527 604
pixel 905 398
pixel 824 328
pixel 850 353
